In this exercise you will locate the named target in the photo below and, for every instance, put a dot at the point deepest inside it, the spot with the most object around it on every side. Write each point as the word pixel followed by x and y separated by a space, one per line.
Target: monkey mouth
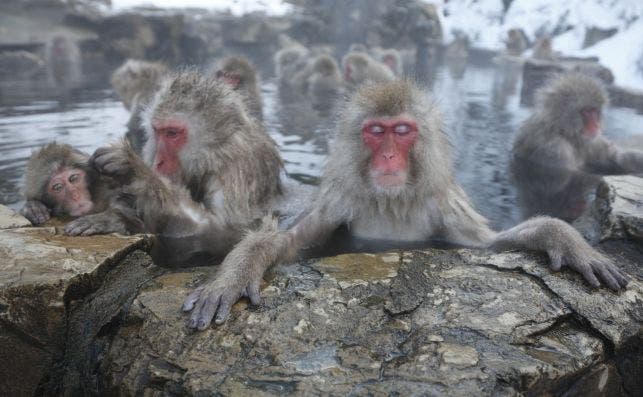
pixel 81 208
pixel 389 179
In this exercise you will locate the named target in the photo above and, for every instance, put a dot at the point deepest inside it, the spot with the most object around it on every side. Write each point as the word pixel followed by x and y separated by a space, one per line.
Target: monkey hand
pixel 218 295
pixel 36 212
pixel 100 223
pixel 115 161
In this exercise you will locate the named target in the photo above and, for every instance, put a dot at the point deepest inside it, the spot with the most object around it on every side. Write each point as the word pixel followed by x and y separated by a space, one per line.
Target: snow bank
pixel 236 7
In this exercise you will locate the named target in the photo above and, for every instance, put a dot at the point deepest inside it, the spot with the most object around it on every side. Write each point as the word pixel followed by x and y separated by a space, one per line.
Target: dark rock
pixel 594 35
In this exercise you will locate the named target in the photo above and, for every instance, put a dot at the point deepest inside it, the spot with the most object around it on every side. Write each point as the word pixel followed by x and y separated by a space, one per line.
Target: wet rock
pixel 593 35
pixel 418 322
pixel 617 211
pixel 9 219
pixel 41 274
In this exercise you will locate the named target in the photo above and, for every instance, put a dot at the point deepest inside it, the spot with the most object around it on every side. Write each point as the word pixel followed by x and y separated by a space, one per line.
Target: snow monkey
pixel 60 182
pixel 565 129
pixel 360 68
pixel 208 168
pixel 388 177
pixel 135 82
pixel 241 75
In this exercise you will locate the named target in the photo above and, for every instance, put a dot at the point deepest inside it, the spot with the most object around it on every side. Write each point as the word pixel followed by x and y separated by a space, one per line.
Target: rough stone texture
pixel 617 211
pixel 40 275
pixel 9 219
pixel 408 323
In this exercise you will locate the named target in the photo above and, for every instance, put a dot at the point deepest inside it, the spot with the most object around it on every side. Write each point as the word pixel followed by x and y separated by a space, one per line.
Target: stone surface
pixel 41 274
pixel 617 211
pixel 9 219
pixel 430 322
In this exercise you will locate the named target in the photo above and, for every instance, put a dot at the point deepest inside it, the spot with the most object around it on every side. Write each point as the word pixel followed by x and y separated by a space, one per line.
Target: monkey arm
pixel 606 158
pixel 564 246
pixel 630 161
pixel 241 272
pixel 113 220
pixel 36 211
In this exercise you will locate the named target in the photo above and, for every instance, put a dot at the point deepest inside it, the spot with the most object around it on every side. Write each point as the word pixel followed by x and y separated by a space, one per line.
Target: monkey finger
pixel 194 317
pixel 555 260
pixel 588 274
pixel 205 314
pixel 607 278
pixel 619 276
pixel 224 310
pixel 188 303
pixel 252 291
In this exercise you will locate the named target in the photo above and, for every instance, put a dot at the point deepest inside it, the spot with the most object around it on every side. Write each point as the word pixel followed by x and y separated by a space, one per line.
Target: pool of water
pixel 481 111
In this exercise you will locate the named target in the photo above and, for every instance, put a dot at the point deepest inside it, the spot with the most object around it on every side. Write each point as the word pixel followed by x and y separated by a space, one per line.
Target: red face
pixel 591 121
pixel 231 79
pixel 348 72
pixel 389 61
pixel 68 188
pixel 390 140
pixel 171 136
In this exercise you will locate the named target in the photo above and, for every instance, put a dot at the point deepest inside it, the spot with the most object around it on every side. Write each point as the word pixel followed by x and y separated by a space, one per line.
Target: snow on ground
pixel 236 7
pixel 486 23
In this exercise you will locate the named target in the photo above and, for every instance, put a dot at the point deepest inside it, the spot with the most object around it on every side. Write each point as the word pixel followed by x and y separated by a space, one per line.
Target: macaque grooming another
pixel 135 82
pixel 209 169
pixel 565 130
pixel 388 177
pixel 241 76
pixel 59 182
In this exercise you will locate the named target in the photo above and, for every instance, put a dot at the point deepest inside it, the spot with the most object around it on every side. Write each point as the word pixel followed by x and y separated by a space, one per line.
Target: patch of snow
pixel 236 7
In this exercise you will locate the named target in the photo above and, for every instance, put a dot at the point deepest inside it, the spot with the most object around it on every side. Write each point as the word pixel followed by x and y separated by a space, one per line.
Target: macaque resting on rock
pixel 565 130
pixel 60 182
pixel 388 177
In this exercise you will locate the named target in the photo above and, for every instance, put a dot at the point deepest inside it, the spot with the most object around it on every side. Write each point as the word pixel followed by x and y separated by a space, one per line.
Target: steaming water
pixel 481 111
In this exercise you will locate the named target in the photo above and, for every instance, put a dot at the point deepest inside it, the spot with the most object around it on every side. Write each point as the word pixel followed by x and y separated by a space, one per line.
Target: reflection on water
pixel 481 110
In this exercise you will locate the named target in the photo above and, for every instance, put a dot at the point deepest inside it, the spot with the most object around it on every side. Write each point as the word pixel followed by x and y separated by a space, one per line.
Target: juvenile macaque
pixel 211 169
pixel 565 129
pixel 241 76
pixel 391 58
pixel 360 68
pixel 135 82
pixel 59 182
pixel 388 177
pixel 543 49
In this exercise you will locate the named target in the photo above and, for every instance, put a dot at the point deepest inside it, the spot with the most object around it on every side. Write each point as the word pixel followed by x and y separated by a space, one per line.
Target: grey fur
pixel 248 82
pixel 289 61
pixel 364 69
pixel 431 205
pixel 553 134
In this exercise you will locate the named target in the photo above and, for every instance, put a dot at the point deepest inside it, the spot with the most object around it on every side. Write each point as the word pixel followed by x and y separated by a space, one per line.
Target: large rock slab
pixel 617 211
pixel 9 219
pixel 433 322
pixel 41 275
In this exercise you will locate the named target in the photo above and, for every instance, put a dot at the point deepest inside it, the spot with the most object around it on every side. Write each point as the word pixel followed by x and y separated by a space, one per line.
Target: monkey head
pixel 59 176
pixel 574 103
pixel 355 67
pixel 325 65
pixel 188 119
pixel 395 140
pixel 136 77
pixel 237 72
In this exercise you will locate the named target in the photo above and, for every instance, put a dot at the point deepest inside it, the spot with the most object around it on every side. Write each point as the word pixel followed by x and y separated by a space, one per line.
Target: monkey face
pixel 591 116
pixel 171 135
pixel 231 78
pixel 68 189
pixel 390 140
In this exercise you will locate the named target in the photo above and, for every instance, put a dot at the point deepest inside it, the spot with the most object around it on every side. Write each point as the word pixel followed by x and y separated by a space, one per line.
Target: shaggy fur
pixel 248 83
pixel 364 69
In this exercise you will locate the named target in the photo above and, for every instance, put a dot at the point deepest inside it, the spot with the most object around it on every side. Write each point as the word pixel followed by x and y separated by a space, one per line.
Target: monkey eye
pixel 171 132
pixel 57 187
pixel 73 178
pixel 376 129
pixel 402 129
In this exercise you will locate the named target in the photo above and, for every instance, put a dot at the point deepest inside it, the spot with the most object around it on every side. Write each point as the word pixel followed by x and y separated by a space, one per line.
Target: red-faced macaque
pixel 388 178
pixel 360 68
pixel 59 182
pixel 135 82
pixel 211 169
pixel 515 42
pixel 241 76
pixel 565 129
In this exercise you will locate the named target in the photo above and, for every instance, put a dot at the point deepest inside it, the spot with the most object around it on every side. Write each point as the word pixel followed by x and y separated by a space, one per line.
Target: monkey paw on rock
pixel 36 212
pixel 217 297
pixel 591 264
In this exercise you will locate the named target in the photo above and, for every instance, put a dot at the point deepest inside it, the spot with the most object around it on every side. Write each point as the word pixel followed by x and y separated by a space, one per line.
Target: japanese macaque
pixel 60 182
pixel 323 83
pixel 360 68
pixel 515 43
pixel 391 58
pixel 208 169
pixel 241 75
pixel 135 82
pixel 388 178
pixel 543 49
pixel 63 61
pixel 458 48
pixel 358 47
pixel 565 129
pixel 289 61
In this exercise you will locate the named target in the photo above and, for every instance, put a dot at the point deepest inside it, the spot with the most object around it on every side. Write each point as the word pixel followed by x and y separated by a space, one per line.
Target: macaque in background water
pixel 290 61
pixel 135 82
pixel 543 49
pixel 515 42
pixel 59 182
pixel 359 68
pixel 63 61
pixel 210 169
pixel 388 177
pixel 565 130
pixel 241 76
